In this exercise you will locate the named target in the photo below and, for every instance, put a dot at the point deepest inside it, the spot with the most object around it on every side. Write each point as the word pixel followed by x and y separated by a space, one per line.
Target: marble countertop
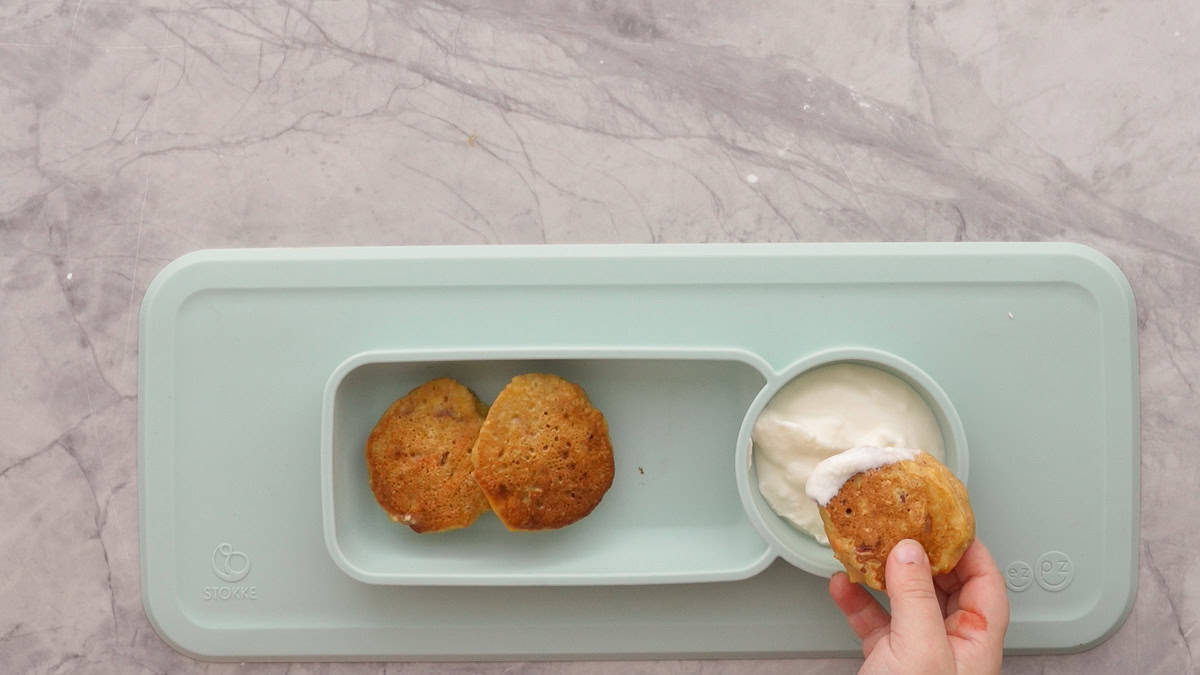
pixel 134 132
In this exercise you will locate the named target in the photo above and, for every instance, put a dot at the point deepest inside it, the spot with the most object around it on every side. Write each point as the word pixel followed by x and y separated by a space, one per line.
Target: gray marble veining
pixel 134 132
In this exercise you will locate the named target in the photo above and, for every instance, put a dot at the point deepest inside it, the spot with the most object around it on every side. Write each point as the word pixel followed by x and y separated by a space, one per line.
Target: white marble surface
pixel 133 132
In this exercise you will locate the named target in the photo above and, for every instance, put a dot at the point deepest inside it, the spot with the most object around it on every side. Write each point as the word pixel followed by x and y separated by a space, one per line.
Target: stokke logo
pixel 230 566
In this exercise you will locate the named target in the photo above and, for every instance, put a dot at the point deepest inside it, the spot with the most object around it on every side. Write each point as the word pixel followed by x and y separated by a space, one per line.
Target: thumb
pixel 916 615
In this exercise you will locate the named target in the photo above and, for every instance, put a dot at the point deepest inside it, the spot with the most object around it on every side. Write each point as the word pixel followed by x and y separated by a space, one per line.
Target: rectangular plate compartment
pixel 671 516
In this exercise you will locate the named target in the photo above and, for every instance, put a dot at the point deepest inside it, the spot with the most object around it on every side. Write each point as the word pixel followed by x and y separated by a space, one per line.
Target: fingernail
pixel 909 552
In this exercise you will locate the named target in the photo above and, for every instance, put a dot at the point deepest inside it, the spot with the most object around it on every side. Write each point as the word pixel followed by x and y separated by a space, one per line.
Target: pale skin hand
pixel 954 623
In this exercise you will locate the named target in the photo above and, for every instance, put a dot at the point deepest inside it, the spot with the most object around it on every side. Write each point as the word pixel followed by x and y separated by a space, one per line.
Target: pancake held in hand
pixel 543 458
pixel 419 457
pixel 871 498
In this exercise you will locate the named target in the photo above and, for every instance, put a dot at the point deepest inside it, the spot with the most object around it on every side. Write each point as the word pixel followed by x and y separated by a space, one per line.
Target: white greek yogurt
pixel 826 411
pixel 833 472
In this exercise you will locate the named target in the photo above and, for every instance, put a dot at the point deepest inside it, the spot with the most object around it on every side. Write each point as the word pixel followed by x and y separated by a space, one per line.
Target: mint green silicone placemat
pixel 1034 343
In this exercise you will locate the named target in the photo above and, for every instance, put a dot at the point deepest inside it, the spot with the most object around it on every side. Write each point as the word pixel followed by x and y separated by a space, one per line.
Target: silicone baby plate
pixel 262 371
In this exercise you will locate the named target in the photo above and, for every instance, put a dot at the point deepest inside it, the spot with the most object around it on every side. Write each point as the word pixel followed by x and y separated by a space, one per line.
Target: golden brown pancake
pixel 419 457
pixel 543 458
pixel 912 499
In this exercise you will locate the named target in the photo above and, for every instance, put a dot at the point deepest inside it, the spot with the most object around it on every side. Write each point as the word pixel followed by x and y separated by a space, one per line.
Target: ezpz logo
pixel 230 566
